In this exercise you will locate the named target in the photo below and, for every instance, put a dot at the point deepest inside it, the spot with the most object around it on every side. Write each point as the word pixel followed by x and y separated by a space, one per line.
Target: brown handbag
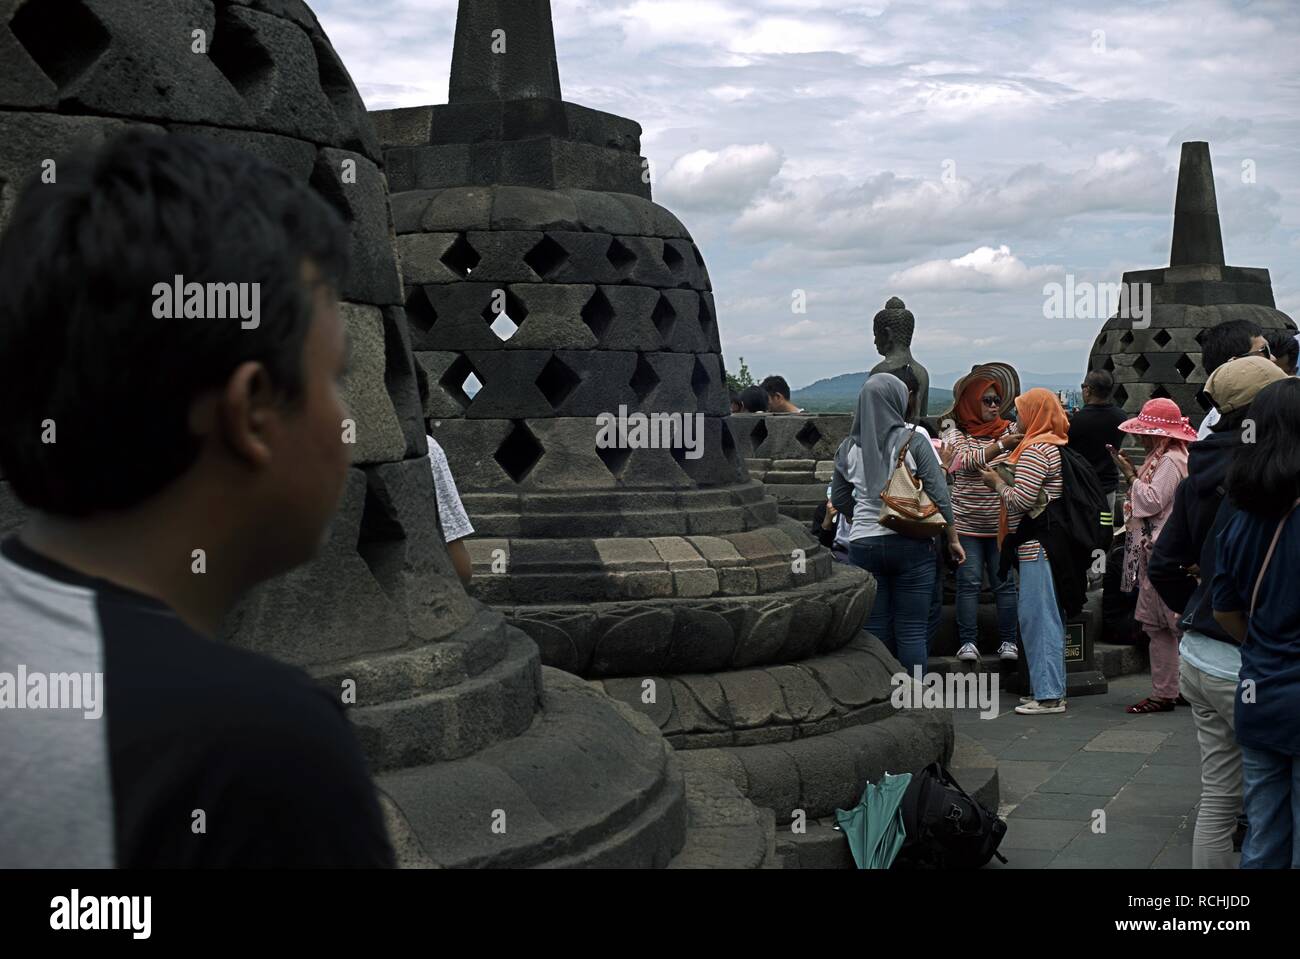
pixel 905 507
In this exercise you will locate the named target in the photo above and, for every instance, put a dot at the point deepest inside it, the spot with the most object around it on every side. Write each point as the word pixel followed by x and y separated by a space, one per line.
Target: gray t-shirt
pixel 451 512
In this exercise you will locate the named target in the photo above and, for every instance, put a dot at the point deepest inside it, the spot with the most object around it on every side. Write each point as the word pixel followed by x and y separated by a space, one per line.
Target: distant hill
pixel 839 394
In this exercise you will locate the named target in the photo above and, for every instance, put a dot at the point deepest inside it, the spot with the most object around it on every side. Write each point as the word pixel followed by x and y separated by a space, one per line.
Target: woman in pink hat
pixel 1164 433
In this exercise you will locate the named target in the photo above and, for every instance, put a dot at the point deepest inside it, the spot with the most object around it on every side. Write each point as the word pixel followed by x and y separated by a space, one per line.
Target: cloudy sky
pixel 957 153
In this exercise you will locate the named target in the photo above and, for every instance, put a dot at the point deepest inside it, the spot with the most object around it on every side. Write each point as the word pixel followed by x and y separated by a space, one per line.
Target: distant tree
pixel 740 380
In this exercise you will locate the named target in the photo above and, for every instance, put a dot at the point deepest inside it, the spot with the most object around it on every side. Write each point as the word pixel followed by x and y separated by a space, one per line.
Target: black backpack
pixel 946 828
pixel 1082 503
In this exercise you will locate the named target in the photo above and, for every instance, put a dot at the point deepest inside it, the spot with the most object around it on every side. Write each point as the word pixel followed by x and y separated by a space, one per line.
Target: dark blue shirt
pixel 1270 657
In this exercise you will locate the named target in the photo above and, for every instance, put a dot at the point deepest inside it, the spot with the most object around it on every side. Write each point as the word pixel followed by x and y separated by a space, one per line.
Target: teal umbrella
pixel 874 826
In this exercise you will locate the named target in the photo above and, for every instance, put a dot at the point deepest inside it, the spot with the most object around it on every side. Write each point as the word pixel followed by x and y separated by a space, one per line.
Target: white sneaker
pixel 1026 699
pixel 1041 706
pixel 1008 651
pixel 968 652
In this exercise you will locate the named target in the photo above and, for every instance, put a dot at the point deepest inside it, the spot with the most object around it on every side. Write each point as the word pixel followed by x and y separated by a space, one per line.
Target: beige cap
pixel 1234 384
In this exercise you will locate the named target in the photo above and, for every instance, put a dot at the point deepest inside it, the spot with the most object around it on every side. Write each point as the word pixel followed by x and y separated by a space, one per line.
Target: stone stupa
pixel 1195 292
pixel 464 728
pixel 545 289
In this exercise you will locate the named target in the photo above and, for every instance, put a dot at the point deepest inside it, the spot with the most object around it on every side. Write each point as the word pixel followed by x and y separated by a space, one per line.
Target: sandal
pixel 1151 705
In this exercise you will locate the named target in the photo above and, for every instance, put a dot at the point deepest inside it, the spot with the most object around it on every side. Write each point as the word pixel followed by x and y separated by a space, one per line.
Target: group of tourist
pixel 1209 547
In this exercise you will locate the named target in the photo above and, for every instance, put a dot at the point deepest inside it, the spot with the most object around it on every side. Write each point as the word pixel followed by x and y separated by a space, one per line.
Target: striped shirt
pixel 975 506
pixel 1038 473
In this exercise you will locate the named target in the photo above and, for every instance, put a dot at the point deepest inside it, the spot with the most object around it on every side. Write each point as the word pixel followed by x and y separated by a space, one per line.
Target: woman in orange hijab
pixel 1036 459
pixel 982 399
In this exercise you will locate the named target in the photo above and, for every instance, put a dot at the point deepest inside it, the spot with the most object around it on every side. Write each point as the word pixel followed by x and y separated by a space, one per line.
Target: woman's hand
pixel 992 480
pixel 1122 462
pixel 828 521
pixel 947 453
pixel 954 547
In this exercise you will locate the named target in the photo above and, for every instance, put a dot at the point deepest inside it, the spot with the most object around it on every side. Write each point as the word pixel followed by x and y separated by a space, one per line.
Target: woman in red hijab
pixel 1035 468
pixel 981 400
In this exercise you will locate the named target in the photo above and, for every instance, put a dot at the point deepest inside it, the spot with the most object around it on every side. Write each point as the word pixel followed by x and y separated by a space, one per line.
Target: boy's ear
pixel 244 412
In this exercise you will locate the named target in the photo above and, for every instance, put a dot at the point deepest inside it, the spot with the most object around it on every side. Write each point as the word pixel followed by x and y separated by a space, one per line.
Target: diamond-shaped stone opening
pixel 644 378
pixel 62 36
pixel 1161 337
pixel 1120 395
pixel 461 381
pixel 518 452
pixel 678 452
pixel 700 380
pixel 238 53
pixel 728 441
pixel 758 434
pixel 598 314
pixel 461 258
pixel 557 381
pixel 546 257
pixel 614 459
pixel 507 322
pixel 664 318
pixel 1101 340
pixel 1200 337
pixel 1126 339
pixel 1141 364
pixel 699 260
pixel 419 310
pixel 1185 366
pixel 673 259
pixel 809 436
pixel 380 543
pixel 1109 365
pixel 620 256
pixel 1160 393
pixel 504 327
pixel 706 316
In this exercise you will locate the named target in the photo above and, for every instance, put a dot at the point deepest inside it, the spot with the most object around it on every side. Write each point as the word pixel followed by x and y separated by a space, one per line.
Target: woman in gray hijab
pixel 904 568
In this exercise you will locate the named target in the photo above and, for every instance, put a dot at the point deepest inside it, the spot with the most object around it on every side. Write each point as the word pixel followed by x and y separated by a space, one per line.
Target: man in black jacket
pixel 1181 570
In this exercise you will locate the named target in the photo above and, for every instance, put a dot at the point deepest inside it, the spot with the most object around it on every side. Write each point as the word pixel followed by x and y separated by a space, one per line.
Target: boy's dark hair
pixel 1100 384
pixel 754 399
pixel 79 342
pixel 1265 475
pixel 1226 341
pixel 1282 344
pixel 776 385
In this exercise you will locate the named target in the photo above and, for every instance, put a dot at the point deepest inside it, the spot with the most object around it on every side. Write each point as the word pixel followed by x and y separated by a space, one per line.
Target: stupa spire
pixel 1197 236
pixel 504 50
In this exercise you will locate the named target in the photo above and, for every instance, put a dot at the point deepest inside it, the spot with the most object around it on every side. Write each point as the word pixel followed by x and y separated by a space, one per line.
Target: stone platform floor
pixel 1056 771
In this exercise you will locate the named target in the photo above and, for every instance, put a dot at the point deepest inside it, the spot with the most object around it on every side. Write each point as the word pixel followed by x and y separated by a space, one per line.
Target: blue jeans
pixel 982 555
pixel 904 569
pixel 1042 629
pixel 936 597
pixel 1272 785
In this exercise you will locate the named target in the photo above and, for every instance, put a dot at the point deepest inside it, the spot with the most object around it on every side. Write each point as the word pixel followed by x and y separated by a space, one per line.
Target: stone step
pixel 724 830
pixel 384 677
pixel 450 723
pixel 589 784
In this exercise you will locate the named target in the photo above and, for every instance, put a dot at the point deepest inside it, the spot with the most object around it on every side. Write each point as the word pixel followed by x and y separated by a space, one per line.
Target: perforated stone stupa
pixel 544 288
pixel 1195 292
pixel 454 709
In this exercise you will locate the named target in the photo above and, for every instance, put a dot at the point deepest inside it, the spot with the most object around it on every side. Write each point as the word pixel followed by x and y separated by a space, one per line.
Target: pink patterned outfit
pixel 1149 503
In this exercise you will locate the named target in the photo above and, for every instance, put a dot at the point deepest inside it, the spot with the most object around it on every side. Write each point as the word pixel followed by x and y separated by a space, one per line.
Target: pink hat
pixel 1161 417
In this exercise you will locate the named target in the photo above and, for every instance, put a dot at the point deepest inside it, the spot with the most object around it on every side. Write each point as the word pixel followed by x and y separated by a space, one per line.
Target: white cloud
pixel 726 179
pixel 980 271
